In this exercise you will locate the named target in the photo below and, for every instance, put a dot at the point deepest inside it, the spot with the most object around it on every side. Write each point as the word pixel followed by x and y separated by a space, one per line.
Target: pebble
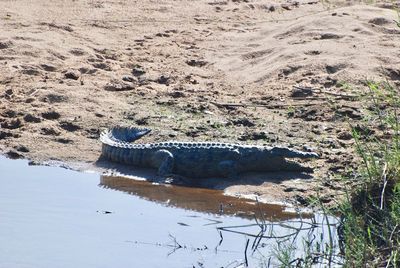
pixel 71 74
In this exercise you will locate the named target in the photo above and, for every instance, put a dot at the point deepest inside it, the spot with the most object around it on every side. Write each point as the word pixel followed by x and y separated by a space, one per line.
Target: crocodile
pixel 196 159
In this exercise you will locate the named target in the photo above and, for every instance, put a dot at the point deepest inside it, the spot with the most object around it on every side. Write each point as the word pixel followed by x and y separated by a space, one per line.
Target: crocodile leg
pixel 164 161
pixel 295 167
pixel 228 169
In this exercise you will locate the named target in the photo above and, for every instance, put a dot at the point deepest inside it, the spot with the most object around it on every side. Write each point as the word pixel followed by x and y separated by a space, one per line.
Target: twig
pixel 343 96
pixel 262 226
pixel 312 224
pixel 259 236
pixel 271 106
pixel 394 230
pixel 260 211
pixel 311 98
pixel 175 246
pixel 384 185
pixel 222 238
pixel 330 237
pixel 34 92
pixel 301 227
pixel 245 253
pixel 212 222
pixel 257 240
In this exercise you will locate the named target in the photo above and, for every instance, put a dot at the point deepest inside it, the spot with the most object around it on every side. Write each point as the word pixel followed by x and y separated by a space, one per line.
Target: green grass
pixel 370 229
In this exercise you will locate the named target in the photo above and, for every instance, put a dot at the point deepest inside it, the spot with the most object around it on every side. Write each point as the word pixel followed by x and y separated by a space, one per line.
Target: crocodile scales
pixel 196 159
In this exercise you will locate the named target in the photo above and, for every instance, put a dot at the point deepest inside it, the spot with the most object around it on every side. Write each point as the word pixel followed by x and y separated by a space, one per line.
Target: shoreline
pixel 234 71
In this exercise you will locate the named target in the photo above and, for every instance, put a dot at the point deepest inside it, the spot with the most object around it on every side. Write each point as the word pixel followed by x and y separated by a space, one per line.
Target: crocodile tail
pixel 122 134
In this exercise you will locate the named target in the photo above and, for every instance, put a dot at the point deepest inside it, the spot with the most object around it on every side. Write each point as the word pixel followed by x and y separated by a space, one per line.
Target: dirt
pixel 248 71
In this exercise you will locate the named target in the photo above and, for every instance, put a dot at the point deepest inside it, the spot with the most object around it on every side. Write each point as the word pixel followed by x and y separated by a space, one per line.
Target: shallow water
pixel 53 217
pixel 197 199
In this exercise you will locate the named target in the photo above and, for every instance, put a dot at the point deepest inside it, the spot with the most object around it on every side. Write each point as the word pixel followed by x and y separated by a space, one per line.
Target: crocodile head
pixel 271 159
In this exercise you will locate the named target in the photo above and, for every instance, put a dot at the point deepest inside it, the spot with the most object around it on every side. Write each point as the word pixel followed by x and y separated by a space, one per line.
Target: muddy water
pixel 53 217
pixel 197 199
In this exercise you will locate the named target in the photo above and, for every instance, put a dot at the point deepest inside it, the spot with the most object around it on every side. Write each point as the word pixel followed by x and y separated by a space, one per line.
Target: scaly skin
pixel 196 159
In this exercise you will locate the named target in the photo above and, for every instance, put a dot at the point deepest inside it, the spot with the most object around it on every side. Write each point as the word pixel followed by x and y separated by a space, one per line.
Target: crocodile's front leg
pixel 164 161
pixel 228 169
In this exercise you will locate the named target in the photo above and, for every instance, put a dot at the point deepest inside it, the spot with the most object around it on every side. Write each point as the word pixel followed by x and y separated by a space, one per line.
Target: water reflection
pixel 52 217
pixel 197 199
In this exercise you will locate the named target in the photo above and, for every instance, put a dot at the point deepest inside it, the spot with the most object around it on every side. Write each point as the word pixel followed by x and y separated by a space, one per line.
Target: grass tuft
pixel 370 229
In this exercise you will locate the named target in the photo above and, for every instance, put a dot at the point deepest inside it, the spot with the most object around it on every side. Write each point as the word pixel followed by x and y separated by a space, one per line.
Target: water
pixel 53 217
pixel 198 199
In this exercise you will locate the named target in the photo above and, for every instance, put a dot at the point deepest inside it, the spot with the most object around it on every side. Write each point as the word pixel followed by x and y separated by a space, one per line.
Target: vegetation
pixel 370 216
pixel 370 230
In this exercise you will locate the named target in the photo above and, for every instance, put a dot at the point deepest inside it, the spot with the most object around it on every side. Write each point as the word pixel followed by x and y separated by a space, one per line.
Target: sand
pixel 253 72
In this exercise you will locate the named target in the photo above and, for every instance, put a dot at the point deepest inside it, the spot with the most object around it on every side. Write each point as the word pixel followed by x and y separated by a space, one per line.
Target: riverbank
pixel 282 73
